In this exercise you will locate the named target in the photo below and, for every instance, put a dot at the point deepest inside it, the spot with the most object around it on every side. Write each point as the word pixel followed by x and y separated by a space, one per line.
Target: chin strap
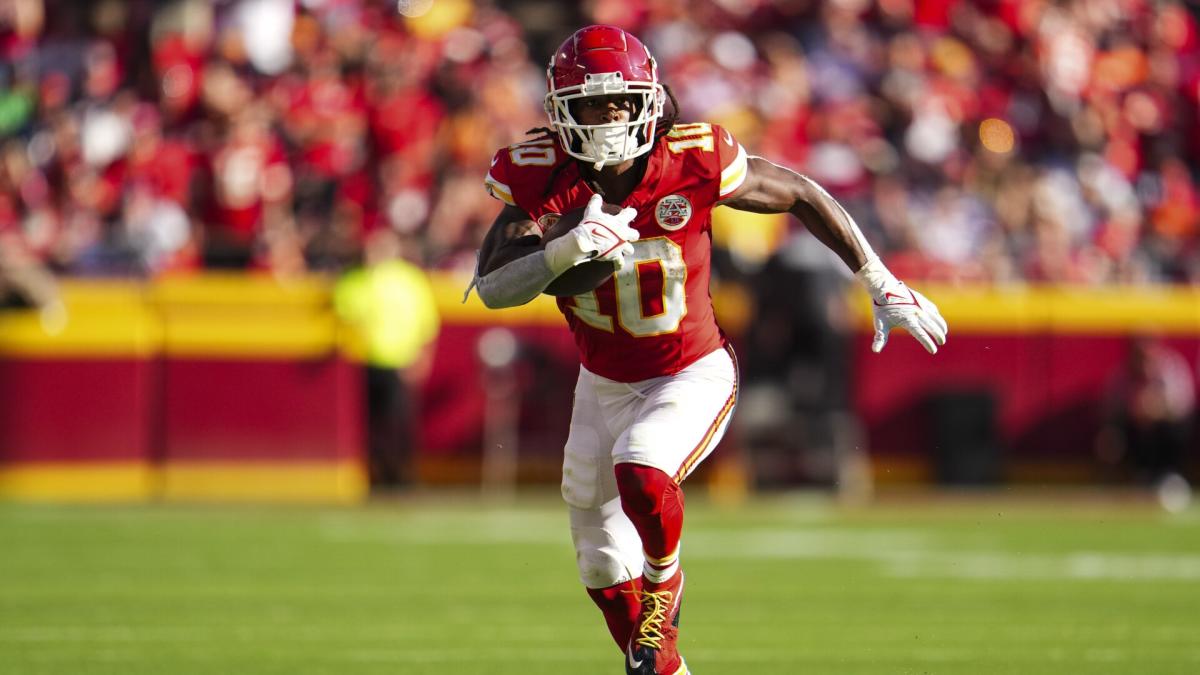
pixel 598 158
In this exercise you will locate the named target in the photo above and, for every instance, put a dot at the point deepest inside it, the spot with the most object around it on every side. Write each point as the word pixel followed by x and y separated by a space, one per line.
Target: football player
pixel 658 380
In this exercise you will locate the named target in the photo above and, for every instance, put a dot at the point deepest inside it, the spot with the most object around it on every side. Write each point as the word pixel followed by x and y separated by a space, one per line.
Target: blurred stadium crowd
pixel 986 140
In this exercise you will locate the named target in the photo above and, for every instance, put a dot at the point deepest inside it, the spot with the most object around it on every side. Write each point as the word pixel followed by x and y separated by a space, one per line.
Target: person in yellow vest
pixel 390 302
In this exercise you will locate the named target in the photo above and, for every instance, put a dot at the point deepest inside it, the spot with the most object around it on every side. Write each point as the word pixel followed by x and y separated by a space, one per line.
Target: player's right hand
pixel 598 236
pixel 608 236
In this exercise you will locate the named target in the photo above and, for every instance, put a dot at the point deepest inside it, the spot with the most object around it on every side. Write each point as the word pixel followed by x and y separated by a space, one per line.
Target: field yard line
pixel 1081 565
pixel 476 654
pixel 901 553
pixel 914 554
pixel 805 543
pixel 496 527
pixel 98 633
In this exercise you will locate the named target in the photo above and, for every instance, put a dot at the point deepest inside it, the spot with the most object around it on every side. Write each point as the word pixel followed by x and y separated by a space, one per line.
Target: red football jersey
pixel 655 316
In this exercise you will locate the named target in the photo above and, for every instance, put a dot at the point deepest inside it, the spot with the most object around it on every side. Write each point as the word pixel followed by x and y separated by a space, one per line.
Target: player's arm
pixel 512 235
pixel 511 269
pixel 770 188
pixel 514 267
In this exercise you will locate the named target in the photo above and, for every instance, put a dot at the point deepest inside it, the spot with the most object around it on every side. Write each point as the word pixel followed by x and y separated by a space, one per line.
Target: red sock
pixel 620 605
pixel 654 502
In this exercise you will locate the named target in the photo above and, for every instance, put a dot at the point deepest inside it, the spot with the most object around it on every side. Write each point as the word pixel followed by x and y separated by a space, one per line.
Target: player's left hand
pixel 896 305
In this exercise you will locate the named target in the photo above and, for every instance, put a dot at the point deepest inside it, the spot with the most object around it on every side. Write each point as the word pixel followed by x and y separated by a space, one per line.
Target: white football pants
pixel 670 423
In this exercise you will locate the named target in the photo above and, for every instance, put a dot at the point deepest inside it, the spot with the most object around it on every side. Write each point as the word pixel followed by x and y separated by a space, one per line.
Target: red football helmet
pixel 601 61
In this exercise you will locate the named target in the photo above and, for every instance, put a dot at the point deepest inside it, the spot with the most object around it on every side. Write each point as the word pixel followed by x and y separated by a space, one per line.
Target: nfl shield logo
pixel 673 212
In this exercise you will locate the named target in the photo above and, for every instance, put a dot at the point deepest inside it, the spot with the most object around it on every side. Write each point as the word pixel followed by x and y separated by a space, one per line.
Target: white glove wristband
pixel 568 251
pixel 875 277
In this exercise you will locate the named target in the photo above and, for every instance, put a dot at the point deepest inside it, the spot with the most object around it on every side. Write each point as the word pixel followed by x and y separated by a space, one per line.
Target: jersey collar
pixel 643 193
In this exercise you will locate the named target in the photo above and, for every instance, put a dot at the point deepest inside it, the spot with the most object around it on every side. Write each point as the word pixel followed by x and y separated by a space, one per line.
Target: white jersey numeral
pixel 687 136
pixel 587 308
pixel 658 260
pixel 533 153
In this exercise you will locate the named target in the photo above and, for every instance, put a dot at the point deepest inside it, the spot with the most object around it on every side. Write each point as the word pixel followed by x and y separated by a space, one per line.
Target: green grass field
pixel 785 585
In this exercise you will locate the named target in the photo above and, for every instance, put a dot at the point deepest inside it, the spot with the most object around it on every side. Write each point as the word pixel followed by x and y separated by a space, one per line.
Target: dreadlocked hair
pixel 544 132
pixel 664 126
pixel 668 121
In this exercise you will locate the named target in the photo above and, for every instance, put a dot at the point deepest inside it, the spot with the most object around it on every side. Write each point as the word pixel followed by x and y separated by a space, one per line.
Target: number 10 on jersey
pixel 656 263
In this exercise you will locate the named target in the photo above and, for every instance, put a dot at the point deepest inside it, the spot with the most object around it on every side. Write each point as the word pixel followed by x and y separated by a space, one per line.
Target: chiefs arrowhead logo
pixel 673 212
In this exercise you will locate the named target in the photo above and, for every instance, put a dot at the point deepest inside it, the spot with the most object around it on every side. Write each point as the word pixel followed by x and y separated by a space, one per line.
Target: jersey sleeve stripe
pixel 734 174
pixel 499 190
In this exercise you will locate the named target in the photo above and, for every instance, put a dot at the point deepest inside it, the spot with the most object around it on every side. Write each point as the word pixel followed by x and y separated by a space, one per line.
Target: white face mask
pixel 608 145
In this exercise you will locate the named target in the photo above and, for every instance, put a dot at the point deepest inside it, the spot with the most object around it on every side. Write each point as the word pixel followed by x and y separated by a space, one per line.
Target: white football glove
pixel 895 304
pixel 610 235
pixel 598 236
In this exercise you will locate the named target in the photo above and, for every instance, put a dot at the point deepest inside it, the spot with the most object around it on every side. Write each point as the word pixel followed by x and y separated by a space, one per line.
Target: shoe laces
pixel 654 609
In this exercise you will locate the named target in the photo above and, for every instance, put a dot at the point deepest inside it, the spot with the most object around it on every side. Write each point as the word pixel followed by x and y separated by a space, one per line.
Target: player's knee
pixel 579 494
pixel 579 485
pixel 642 488
pixel 598 569
pixel 603 548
